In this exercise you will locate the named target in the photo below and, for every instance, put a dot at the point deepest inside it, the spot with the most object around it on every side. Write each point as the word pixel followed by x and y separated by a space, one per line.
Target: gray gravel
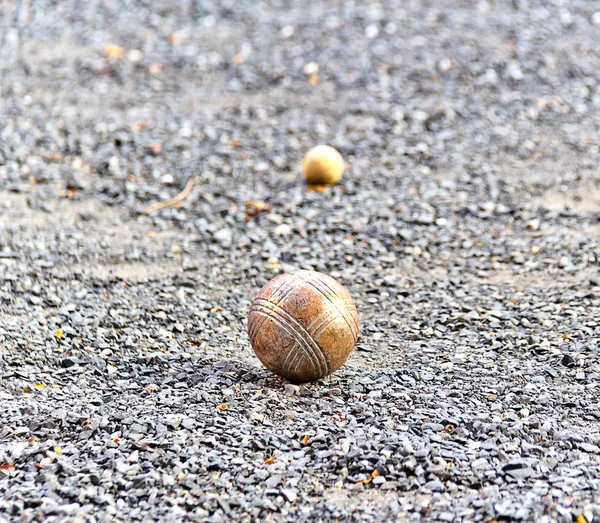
pixel 466 228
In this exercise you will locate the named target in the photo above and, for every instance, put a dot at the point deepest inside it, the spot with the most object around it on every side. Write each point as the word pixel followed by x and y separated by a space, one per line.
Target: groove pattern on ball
pixel 303 326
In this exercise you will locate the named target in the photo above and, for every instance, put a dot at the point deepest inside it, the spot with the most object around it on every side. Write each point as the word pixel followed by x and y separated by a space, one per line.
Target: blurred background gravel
pixel 466 227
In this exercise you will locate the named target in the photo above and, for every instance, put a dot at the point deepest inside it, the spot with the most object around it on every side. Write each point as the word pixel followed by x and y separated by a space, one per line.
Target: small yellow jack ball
pixel 323 165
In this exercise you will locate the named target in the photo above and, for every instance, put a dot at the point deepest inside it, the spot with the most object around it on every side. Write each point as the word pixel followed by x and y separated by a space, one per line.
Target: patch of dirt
pixel 582 200
pixel 138 272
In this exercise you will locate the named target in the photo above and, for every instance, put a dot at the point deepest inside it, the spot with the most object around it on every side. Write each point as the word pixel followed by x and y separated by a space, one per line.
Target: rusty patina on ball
pixel 303 325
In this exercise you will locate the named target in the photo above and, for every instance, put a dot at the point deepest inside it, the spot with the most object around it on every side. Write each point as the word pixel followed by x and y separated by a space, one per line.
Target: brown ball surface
pixel 323 165
pixel 303 326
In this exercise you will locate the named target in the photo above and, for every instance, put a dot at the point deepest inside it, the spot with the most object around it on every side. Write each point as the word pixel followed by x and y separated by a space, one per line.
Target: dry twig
pixel 173 202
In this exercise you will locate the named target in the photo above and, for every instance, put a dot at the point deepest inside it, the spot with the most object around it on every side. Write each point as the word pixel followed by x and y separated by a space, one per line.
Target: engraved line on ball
pixel 326 312
pixel 284 291
pixel 260 304
pixel 322 319
pixel 274 297
pixel 292 359
pixel 295 359
pixel 252 325
pixel 301 343
pixel 258 325
pixel 339 306
pixel 297 356
pixel 351 306
pixel 292 334
pixel 333 297
pixel 316 349
pixel 287 363
pixel 290 366
pixel 323 328
pixel 330 295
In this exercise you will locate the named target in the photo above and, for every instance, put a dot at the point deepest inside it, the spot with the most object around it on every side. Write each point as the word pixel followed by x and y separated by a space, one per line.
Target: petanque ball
pixel 303 325
pixel 323 165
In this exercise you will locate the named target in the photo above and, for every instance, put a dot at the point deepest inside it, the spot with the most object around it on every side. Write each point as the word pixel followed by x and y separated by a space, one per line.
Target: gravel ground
pixel 466 228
